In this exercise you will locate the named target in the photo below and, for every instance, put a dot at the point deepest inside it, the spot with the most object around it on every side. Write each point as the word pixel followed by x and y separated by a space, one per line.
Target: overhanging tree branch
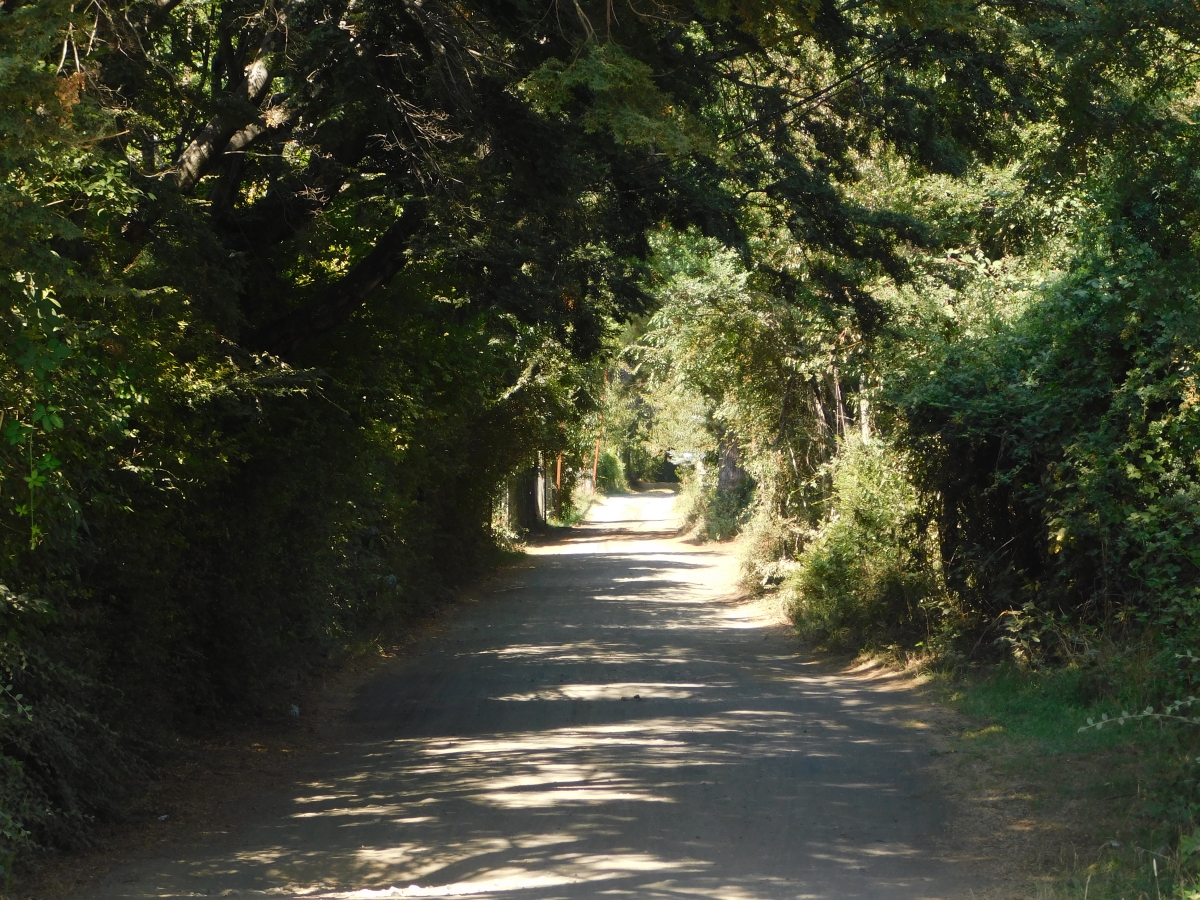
pixel 340 300
pixel 242 108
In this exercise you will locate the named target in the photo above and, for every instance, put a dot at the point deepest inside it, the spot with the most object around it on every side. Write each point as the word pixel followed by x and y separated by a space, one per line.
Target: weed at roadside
pixel 574 513
pixel 1123 799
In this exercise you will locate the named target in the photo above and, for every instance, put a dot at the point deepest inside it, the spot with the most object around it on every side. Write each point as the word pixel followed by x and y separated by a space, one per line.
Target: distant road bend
pixel 605 722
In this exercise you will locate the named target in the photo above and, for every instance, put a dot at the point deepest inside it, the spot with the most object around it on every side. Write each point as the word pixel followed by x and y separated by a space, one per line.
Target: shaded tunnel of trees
pixel 296 291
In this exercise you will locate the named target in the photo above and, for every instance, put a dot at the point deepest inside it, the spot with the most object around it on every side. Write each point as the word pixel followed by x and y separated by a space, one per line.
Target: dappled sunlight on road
pixel 617 690
pixel 607 723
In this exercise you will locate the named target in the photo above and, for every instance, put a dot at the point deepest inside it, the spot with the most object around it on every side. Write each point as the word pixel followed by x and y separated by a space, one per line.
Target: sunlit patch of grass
pixel 575 512
pixel 983 732
pixel 1045 709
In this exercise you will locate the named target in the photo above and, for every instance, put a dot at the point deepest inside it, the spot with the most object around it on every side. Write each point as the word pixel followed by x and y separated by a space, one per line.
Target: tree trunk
pixel 729 471
pixel 523 506
pixel 240 113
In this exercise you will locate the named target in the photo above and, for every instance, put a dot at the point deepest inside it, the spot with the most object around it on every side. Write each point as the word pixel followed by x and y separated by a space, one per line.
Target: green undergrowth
pixel 717 515
pixel 575 512
pixel 1124 798
pixel 610 474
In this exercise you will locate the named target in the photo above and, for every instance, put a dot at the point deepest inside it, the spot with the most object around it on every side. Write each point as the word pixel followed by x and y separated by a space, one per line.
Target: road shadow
pixel 600 726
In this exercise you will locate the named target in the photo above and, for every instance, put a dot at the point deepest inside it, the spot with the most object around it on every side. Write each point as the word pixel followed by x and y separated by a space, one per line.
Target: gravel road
pixel 604 721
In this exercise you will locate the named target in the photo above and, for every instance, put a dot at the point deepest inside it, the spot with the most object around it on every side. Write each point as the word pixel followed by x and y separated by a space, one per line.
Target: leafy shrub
pixel 726 512
pixel 61 765
pixel 1062 451
pixel 207 545
pixel 610 474
pixel 719 514
pixel 867 575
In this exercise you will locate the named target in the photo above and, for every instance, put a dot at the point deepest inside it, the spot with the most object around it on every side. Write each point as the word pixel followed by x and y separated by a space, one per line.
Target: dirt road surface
pixel 606 721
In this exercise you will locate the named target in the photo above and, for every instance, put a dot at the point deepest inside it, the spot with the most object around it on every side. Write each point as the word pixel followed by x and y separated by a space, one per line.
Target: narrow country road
pixel 604 722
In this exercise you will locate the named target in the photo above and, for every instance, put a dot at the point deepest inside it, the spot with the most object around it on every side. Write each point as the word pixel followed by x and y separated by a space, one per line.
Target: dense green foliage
pixel 1001 444
pixel 610 474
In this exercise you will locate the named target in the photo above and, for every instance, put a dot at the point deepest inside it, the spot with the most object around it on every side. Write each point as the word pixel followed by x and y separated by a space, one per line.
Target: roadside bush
pixel 727 511
pixel 199 552
pixel 610 474
pixel 1061 454
pixel 720 514
pixel 61 765
pixel 867 576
